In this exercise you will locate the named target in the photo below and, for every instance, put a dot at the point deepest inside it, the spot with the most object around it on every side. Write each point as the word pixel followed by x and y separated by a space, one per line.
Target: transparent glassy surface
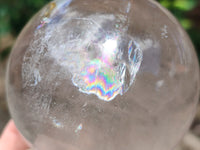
pixel 103 75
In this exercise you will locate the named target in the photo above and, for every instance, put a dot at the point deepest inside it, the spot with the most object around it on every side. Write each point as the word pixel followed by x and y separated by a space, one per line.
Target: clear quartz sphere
pixel 103 75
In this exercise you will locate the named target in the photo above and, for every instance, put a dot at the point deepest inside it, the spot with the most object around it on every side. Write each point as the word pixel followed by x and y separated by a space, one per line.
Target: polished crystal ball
pixel 103 75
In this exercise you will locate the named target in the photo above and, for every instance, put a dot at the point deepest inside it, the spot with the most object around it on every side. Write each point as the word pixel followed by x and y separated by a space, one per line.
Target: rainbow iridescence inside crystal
pixel 102 83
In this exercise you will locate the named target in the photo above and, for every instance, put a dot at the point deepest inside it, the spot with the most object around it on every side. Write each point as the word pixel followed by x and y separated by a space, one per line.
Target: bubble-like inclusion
pixel 96 49
pixel 109 75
